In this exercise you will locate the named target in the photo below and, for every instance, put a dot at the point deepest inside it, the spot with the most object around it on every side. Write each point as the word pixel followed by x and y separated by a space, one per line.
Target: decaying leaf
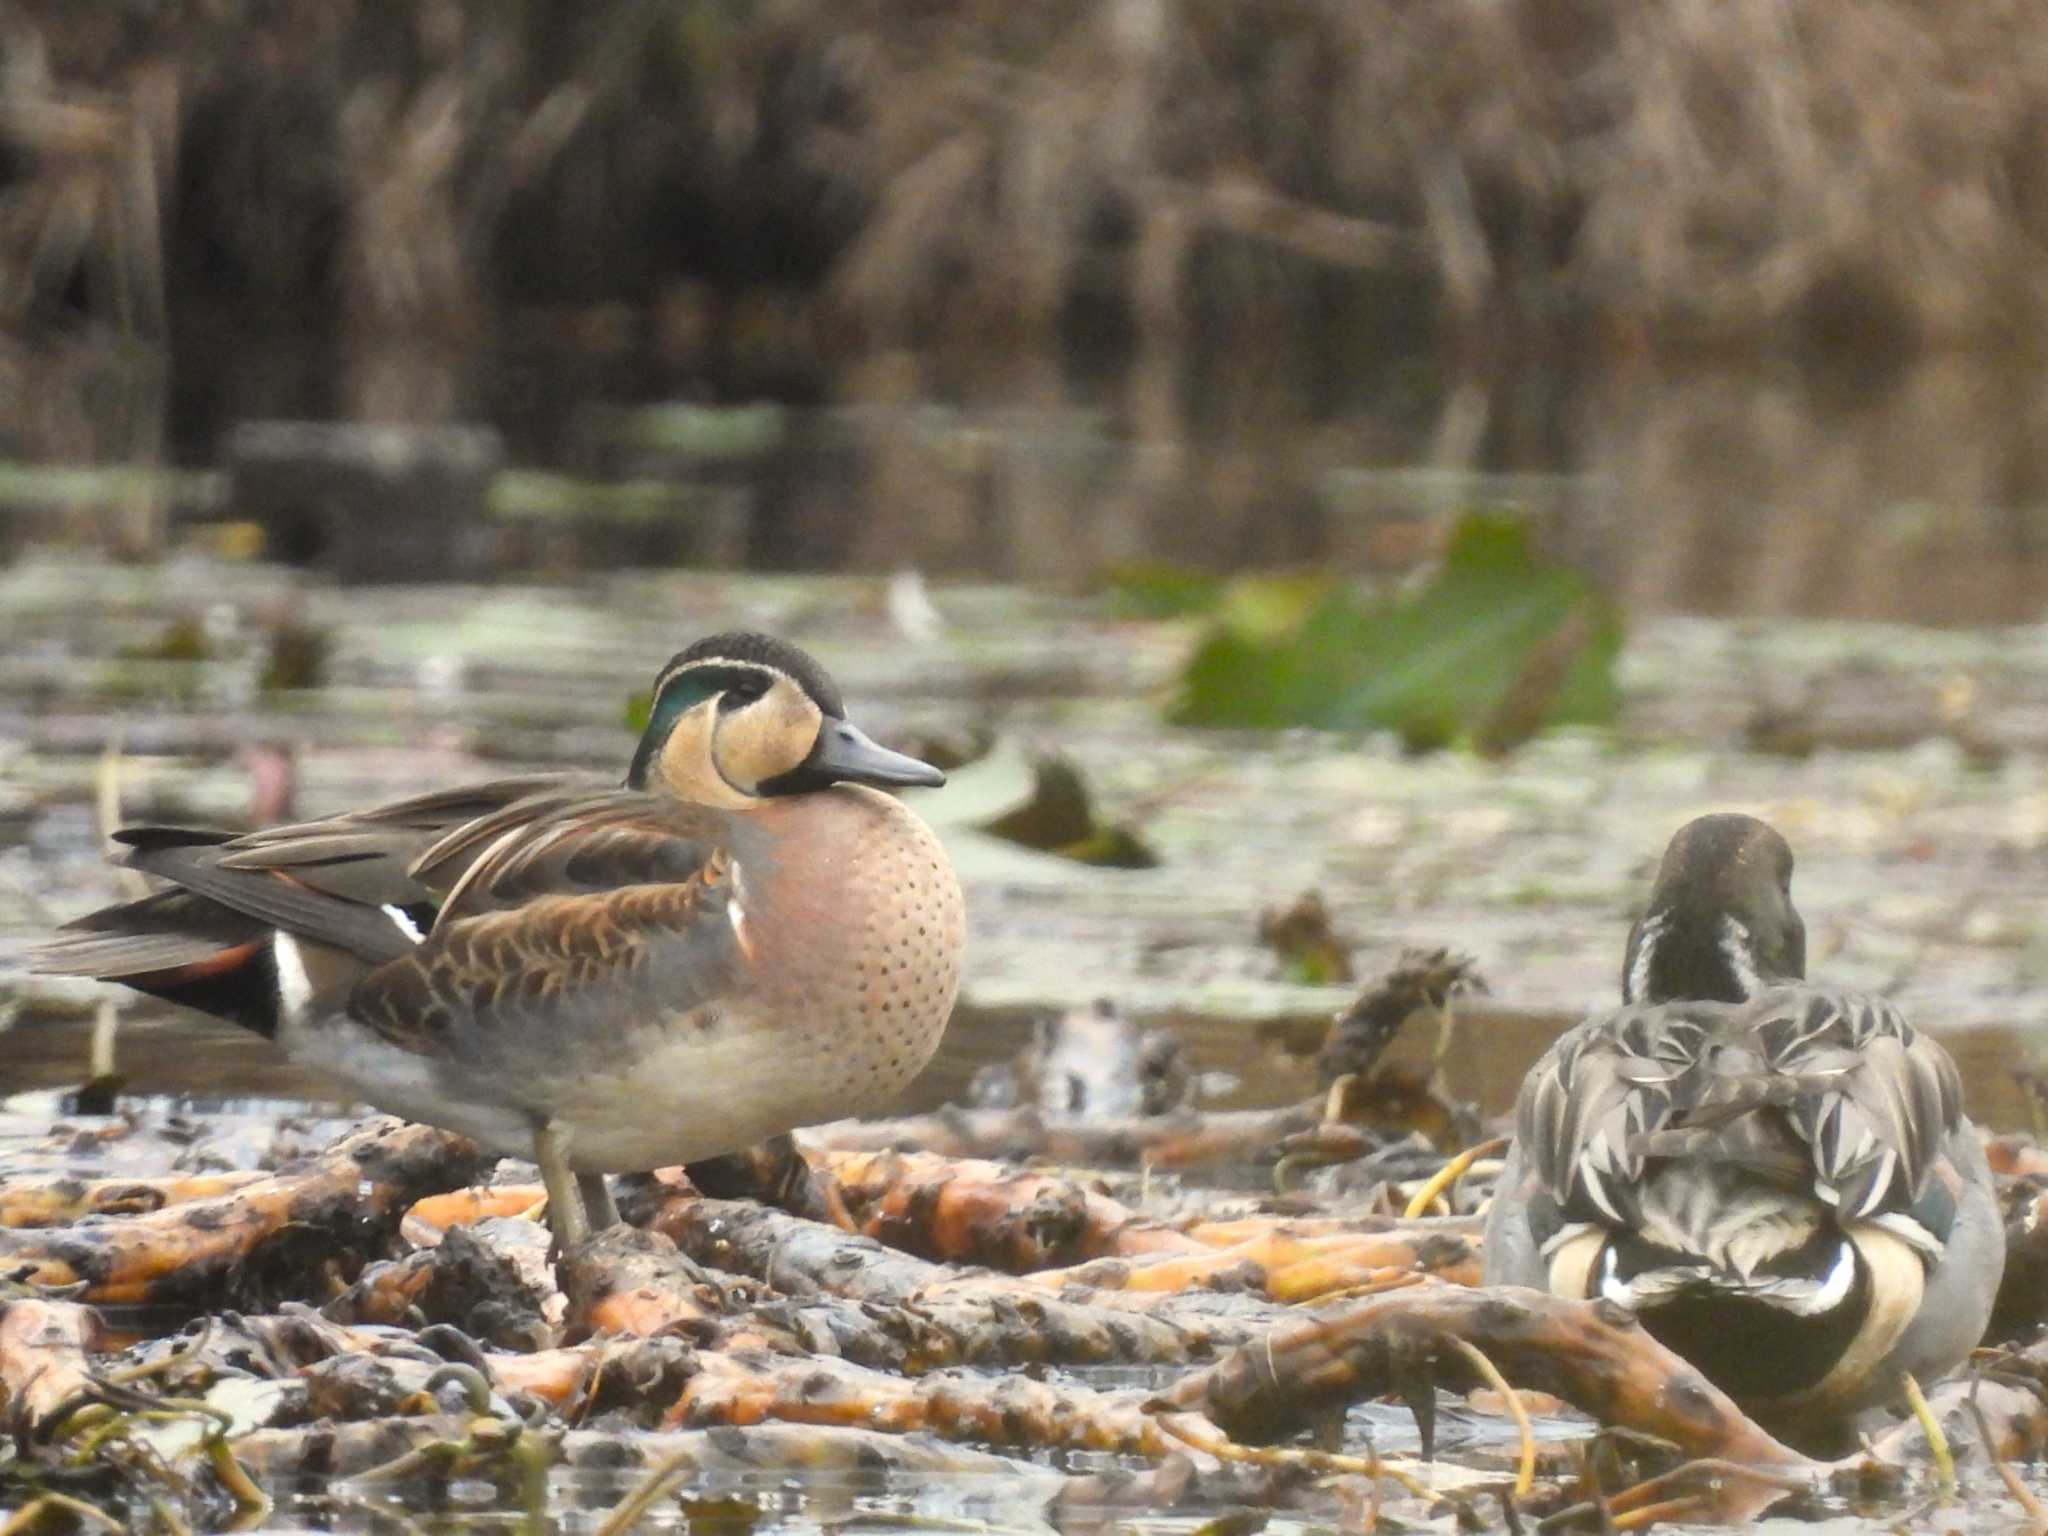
pixel 1060 818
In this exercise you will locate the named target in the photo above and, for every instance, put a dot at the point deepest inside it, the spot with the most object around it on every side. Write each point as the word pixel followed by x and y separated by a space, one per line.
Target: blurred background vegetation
pixel 1740 303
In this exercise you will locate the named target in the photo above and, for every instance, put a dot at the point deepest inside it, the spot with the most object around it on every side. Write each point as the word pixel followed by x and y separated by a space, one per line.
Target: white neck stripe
pixel 1741 955
pixel 1638 985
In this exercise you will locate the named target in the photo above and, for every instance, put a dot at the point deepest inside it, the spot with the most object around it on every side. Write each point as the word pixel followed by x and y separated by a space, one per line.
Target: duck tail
pixel 177 946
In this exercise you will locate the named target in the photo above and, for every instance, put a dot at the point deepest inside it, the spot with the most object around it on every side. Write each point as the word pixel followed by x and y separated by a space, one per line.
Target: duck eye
pixel 741 692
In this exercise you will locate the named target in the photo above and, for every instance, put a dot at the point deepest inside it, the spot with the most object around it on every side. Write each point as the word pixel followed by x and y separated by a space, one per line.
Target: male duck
pixel 741 940
pixel 1778 1178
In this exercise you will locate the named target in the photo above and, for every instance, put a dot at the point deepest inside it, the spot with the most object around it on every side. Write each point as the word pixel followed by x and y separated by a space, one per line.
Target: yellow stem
pixel 645 1492
pixel 1441 1181
pixel 1525 1466
pixel 1937 1442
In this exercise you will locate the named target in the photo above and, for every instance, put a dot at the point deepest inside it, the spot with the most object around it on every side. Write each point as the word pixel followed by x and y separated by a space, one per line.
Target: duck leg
pixel 566 1215
pixel 597 1201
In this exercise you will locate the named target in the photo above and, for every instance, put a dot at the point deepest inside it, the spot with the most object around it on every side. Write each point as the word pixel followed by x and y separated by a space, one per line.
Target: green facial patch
pixel 683 691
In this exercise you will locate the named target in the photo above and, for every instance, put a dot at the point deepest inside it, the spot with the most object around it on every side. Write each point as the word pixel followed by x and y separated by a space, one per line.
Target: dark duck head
pixel 1720 925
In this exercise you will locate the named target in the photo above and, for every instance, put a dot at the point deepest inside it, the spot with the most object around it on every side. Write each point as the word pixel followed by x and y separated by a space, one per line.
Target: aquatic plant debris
pixel 1093 1062
pixel 1060 818
pixel 1500 643
pixel 1309 948
pixel 940 1318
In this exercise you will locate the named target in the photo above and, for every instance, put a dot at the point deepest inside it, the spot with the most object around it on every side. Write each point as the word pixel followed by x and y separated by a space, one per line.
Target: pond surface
pixel 1915 795
pixel 1915 491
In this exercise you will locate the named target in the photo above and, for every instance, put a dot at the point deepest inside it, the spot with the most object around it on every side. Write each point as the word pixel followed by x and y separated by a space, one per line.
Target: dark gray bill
pixel 844 754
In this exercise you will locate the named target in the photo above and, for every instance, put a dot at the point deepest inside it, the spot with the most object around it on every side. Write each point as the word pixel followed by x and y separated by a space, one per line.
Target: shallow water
pixel 1919 811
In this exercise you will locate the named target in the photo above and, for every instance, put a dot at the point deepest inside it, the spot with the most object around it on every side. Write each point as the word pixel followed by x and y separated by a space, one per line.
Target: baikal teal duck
pixel 1777 1178
pixel 745 937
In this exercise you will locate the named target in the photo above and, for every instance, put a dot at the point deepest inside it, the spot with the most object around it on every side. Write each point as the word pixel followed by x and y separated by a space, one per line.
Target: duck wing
pixel 346 881
pixel 1588 1105
pixel 1810 1091
pixel 599 912
pixel 565 844
pixel 1875 1099
pixel 373 857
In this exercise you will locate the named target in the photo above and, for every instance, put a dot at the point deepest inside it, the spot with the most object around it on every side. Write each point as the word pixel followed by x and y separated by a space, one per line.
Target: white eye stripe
pixel 750 688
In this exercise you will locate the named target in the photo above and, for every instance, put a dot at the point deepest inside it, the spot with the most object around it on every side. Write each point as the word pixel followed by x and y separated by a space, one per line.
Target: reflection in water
pixel 1914 495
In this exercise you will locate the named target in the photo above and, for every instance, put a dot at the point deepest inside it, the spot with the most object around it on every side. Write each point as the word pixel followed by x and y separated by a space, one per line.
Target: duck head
pixel 1720 925
pixel 741 718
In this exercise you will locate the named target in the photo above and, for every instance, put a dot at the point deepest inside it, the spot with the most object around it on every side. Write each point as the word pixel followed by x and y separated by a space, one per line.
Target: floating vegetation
pixel 1157 590
pixel 297 657
pixel 702 433
pixel 1499 644
pixel 183 639
pixel 526 495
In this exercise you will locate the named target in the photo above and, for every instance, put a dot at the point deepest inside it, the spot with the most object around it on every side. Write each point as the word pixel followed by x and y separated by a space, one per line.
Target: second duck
pixel 1778 1178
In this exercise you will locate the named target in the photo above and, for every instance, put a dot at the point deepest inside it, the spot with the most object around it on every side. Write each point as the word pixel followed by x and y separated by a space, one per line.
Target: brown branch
pixel 491 1279
pixel 2022 1495
pixel 861 1302
pixel 2015 1415
pixel 754 1366
pixel 635 1284
pixel 1287 1268
pixel 968 1210
pixel 433 1216
pixel 57 1202
pixel 972 1211
pixel 1707 1491
pixel 2022 1301
pixel 1592 1354
pixel 331 1452
pixel 338 1202
pixel 748 1387
pixel 1231 1231
pixel 2013 1156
